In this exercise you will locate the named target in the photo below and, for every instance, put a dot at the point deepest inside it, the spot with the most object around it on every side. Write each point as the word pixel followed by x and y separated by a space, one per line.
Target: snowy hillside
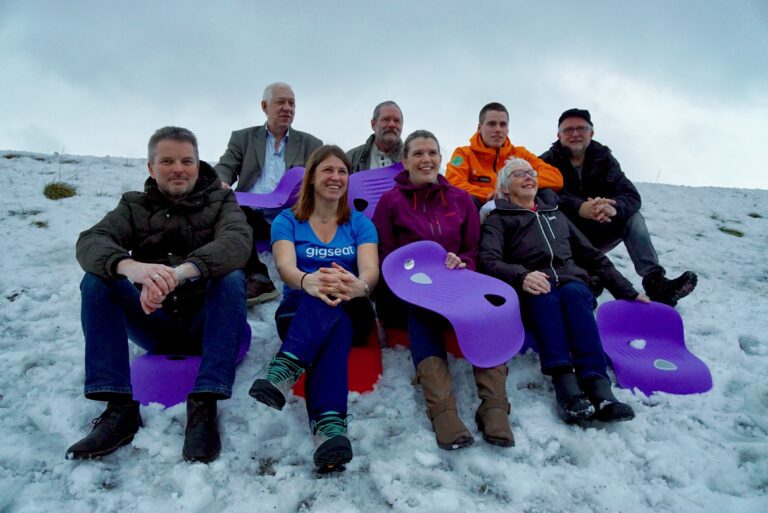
pixel 682 454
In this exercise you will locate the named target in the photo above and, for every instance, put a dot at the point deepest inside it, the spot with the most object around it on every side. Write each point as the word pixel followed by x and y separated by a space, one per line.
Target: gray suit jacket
pixel 245 155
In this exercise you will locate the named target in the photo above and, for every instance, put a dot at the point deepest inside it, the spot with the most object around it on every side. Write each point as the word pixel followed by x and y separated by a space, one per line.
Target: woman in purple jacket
pixel 424 206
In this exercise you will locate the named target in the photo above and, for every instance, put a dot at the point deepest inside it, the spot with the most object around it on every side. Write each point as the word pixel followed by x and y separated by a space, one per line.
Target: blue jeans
pixel 639 246
pixel 320 336
pixel 426 333
pixel 111 314
pixel 565 329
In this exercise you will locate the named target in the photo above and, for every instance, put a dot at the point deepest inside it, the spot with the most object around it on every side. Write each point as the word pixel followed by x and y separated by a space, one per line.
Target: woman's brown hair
pixel 306 202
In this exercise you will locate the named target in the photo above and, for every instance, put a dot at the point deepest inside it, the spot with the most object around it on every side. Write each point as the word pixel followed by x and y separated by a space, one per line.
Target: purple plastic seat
pixel 483 311
pixel 168 378
pixel 366 187
pixel 284 195
pixel 646 346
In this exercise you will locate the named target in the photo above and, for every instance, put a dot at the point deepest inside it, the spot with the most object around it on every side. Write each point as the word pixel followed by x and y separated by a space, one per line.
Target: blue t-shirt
pixel 312 253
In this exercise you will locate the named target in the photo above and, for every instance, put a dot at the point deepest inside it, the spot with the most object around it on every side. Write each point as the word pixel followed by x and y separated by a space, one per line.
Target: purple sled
pixel 483 311
pixel 168 378
pixel 646 346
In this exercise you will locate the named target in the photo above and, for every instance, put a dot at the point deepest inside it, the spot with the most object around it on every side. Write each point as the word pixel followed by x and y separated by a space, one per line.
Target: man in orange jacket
pixel 474 167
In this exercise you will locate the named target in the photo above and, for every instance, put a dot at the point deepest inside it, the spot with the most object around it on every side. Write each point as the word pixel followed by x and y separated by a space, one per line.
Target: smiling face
pixel 174 168
pixel 423 160
pixel 280 109
pixel 522 189
pixel 330 180
pixel 575 134
pixel 494 128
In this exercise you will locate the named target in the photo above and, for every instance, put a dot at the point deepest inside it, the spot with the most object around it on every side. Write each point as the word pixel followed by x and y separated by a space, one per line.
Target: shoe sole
pixel 334 457
pixel 193 459
pixel 499 442
pixel 460 443
pixel 263 298
pixel 603 416
pixel 685 290
pixel 265 392
pixel 98 454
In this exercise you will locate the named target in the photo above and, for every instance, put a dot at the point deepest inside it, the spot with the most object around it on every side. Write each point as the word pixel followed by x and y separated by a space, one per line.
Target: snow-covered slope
pixel 681 454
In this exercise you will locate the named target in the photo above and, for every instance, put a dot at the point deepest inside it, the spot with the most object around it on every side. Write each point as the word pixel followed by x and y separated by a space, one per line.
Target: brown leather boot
pixel 492 415
pixel 450 431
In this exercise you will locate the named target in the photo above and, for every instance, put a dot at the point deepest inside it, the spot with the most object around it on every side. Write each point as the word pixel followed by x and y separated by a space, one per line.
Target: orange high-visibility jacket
pixel 474 167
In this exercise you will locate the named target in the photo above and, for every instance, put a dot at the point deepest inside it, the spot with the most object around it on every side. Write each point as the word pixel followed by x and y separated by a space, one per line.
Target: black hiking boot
pixel 669 292
pixel 333 449
pixel 607 407
pixel 282 373
pixel 111 430
pixel 201 437
pixel 572 404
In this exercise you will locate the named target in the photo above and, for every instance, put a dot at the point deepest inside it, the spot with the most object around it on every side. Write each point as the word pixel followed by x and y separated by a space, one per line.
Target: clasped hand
pixel 333 285
pixel 598 209
pixel 157 282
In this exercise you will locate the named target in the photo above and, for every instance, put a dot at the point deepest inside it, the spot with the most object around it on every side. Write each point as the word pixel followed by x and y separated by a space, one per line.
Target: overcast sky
pixel 677 89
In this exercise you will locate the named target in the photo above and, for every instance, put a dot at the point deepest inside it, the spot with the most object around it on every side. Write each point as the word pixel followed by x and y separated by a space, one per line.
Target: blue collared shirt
pixel 274 164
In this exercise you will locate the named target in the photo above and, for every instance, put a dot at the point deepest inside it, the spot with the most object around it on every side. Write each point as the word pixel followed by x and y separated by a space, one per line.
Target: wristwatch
pixel 367 290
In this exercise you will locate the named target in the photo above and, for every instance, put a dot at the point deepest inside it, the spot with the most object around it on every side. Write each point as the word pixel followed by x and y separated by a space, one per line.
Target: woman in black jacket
pixel 532 246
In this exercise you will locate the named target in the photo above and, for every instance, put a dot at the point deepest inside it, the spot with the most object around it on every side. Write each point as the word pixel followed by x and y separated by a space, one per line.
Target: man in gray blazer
pixel 256 158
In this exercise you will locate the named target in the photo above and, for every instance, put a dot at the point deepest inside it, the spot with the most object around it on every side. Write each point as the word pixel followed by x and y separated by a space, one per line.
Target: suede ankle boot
pixel 201 437
pixel 112 429
pixel 492 417
pixel 435 380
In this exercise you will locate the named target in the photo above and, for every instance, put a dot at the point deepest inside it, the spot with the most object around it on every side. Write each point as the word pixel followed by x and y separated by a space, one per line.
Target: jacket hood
pixel 477 145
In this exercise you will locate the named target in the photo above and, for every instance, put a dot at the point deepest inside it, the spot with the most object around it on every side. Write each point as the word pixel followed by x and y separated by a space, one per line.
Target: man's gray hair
pixel 173 133
pixel 270 90
pixel 503 177
pixel 388 103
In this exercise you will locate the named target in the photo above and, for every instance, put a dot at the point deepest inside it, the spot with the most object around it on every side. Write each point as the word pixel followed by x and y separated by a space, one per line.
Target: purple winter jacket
pixel 436 211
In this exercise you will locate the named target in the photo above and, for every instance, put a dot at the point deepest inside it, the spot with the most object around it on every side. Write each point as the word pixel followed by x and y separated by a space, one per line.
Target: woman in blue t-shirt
pixel 327 257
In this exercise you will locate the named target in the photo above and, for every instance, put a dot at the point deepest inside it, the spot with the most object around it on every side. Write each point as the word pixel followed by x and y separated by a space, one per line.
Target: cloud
pixel 99 77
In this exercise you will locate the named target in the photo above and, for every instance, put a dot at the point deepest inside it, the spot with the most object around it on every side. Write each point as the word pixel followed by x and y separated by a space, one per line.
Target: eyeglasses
pixel 520 173
pixel 575 129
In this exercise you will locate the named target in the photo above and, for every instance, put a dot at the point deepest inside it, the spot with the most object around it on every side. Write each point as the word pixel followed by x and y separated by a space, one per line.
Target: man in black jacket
pixel 604 204
pixel 164 269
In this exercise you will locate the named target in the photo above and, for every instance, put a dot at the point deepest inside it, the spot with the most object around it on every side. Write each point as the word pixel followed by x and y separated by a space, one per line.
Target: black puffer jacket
pixel 206 228
pixel 601 176
pixel 515 241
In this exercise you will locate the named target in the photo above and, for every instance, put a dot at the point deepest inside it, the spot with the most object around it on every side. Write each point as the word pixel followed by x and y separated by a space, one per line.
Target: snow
pixel 686 454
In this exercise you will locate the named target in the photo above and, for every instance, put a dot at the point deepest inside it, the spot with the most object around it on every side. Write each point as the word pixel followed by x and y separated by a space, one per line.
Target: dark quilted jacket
pixel 206 228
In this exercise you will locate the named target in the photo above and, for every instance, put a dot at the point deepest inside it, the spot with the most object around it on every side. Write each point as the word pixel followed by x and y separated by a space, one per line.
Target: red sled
pixel 364 367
